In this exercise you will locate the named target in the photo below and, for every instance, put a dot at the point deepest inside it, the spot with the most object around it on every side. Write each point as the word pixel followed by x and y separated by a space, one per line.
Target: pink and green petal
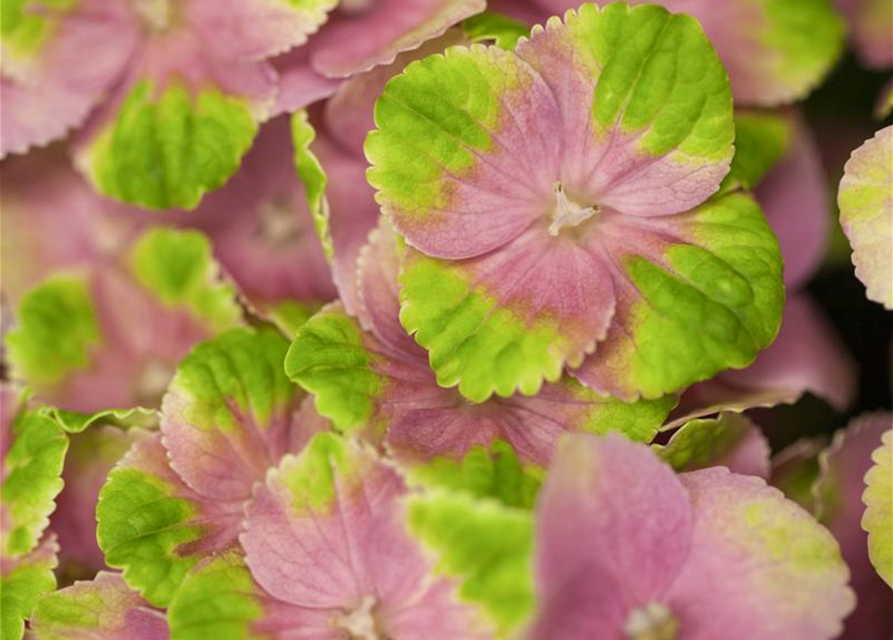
pixel 807 356
pixel 703 292
pixel 104 608
pixel 32 464
pixel 761 140
pixel 229 413
pixel 486 548
pixel 91 456
pixel 866 199
pixel 758 565
pixel 122 326
pixel 219 599
pixel 496 28
pixel 58 64
pixel 794 197
pixel 776 51
pixel 22 583
pixel 337 508
pixel 731 441
pixel 508 320
pixel 605 506
pixel 494 471
pixel 357 40
pixel 878 499
pixel 154 527
pixel 838 493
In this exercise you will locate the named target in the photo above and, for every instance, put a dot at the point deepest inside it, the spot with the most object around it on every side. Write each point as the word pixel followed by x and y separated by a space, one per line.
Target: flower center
pixel 152 382
pixel 567 212
pixel 361 623
pixel 156 14
pixel 651 621
pixel 278 224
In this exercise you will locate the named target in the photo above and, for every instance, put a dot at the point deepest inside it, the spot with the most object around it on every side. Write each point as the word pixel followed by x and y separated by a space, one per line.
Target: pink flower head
pixel 626 549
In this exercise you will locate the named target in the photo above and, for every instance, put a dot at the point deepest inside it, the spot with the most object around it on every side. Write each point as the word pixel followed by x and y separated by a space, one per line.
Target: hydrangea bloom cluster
pixel 442 320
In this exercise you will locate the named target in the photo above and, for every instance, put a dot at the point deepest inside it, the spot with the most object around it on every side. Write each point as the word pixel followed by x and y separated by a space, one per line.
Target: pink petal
pixel 759 566
pixel 794 197
pixel 46 96
pixel 868 22
pixel 254 29
pixel 611 518
pixel 356 41
pixel 300 85
pixel 807 356
pixel 53 220
pixel 143 340
pixel 353 212
pixel 844 465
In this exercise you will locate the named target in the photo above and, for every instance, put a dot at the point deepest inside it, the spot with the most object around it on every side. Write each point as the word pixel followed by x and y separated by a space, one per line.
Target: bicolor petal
pixel 866 214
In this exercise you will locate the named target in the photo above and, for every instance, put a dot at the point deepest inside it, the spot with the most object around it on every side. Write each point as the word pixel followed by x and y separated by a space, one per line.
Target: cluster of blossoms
pixel 434 320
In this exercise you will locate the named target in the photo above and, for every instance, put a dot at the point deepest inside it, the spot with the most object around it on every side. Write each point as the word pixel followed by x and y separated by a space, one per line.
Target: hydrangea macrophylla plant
pixel 705 554
pixel 335 547
pixel 228 416
pixel 866 199
pixel 111 336
pixel 534 244
pixel 878 498
pixel 104 608
pixel 776 51
pixel 837 491
pixel 367 373
pixel 32 451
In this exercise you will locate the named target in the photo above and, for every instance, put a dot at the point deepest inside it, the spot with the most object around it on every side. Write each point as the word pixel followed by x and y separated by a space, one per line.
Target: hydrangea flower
pixel 335 547
pixel 560 208
pixel 111 335
pixel 878 518
pixel 32 451
pixel 228 416
pixel 103 608
pixel 627 549
pixel 776 51
pixel 369 374
pixel 866 199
